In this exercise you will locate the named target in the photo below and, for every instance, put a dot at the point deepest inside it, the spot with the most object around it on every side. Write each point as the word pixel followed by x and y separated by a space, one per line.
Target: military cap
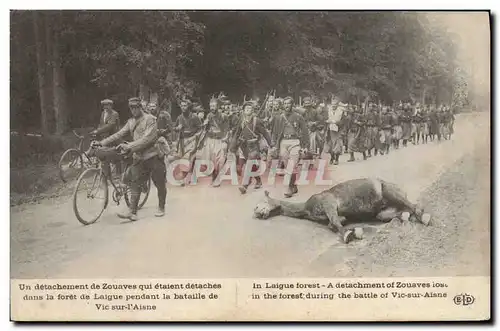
pixel 249 103
pixel 106 102
pixel 134 101
pixel 287 98
pixel 189 102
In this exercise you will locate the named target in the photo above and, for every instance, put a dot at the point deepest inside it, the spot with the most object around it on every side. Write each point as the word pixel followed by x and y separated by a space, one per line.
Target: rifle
pixel 263 104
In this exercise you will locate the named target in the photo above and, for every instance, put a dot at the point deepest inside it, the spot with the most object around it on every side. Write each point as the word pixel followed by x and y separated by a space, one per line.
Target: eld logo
pixel 463 299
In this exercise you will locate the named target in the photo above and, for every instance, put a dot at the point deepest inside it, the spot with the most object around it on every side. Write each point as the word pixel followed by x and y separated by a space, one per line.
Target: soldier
pixel 163 120
pixel 333 143
pixel 450 120
pixel 357 135
pixel 417 124
pixel 267 113
pixel 345 125
pixel 290 133
pixel 214 145
pixel 434 123
pixel 315 118
pixel 109 122
pixel 164 125
pixel 425 124
pixel 405 118
pixel 188 125
pixel 397 130
pixel 385 131
pixel 142 127
pixel 372 122
pixel 246 137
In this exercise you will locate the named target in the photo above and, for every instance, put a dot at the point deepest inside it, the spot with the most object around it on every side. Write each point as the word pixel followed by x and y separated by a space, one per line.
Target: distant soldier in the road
pixel 246 137
pixel 291 136
pixel 143 129
pixel 450 121
pixel 425 124
pixel 357 135
pixel 397 130
pixel 371 122
pixel 441 120
pixel 385 131
pixel 417 124
pixel 109 122
pixel 345 125
pixel 405 118
pixel 433 123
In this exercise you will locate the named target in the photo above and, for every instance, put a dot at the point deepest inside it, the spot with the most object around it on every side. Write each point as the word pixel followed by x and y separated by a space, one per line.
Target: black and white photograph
pixel 272 144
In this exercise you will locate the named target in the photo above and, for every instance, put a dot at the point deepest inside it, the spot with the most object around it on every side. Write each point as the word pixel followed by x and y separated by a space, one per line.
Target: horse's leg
pixel 397 198
pixel 388 214
pixel 335 221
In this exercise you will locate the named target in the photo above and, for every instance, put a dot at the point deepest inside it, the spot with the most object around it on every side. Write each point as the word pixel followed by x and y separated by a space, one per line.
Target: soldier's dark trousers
pixel 138 173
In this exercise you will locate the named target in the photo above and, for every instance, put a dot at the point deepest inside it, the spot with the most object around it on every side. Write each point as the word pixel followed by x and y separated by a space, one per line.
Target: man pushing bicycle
pixel 147 160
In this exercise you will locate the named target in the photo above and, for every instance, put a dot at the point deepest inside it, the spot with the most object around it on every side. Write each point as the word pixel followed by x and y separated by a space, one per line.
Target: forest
pixel 64 62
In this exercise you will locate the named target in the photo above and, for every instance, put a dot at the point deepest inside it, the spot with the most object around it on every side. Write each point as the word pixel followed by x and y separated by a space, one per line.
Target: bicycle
pixel 75 160
pixel 99 190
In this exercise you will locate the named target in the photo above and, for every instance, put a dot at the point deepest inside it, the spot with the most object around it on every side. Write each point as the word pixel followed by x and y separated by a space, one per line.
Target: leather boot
pixel 258 183
pixel 292 188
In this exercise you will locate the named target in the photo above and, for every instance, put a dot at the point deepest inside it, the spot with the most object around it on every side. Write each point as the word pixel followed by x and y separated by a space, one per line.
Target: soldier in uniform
pixel 165 126
pixel 372 122
pixel 405 118
pixel 188 125
pixel 109 122
pixel 315 118
pixel 385 139
pixel 425 124
pixel 214 145
pixel 246 137
pixel 163 120
pixel 357 135
pixel 291 136
pixel 143 129
pixel 345 125
pixel 450 121
pixel 417 124
pixel 434 123
pixel 397 130
pixel 333 143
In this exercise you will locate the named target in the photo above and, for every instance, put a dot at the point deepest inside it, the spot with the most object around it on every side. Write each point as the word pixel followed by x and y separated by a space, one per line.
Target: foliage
pixel 389 56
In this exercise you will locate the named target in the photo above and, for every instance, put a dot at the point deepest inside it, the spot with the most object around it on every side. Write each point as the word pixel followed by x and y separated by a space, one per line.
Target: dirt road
pixel 210 232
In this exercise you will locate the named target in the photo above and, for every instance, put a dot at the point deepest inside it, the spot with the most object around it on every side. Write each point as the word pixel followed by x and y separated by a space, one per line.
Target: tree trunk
pixel 42 74
pixel 58 79
pixel 423 95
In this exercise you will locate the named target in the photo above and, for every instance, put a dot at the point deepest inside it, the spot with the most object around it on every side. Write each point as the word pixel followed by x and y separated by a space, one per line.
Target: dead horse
pixel 349 201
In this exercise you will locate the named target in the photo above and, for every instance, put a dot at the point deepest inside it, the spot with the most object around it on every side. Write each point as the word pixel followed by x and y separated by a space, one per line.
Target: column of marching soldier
pixel 275 128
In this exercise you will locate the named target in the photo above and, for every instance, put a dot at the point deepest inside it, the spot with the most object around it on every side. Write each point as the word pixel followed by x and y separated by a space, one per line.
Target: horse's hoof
pixel 358 233
pixel 405 217
pixel 426 219
pixel 348 236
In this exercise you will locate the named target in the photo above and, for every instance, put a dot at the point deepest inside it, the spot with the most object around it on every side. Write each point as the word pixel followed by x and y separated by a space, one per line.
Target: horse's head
pixel 266 208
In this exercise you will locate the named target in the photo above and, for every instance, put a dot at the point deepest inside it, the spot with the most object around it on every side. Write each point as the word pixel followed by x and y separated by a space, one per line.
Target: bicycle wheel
pixel 144 194
pixel 90 198
pixel 70 165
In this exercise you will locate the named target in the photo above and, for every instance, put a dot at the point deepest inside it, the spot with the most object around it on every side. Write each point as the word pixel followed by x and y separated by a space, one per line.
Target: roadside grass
pixel 33 167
